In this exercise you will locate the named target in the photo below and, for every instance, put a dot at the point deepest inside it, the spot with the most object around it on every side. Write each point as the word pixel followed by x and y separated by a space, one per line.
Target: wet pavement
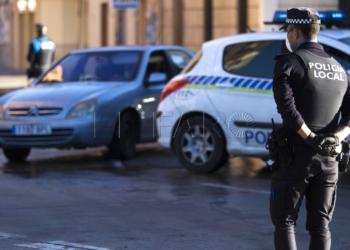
pixel 83 200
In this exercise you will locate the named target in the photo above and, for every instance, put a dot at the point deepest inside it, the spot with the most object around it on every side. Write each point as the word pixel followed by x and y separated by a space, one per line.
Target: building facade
pixel 5 31
pixel 74 24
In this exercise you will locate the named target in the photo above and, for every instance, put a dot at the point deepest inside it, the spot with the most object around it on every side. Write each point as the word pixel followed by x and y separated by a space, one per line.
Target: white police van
pixel 222 103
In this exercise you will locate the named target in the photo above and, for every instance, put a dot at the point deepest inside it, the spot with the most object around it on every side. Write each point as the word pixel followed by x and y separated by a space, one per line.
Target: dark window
pixel 103 66
pixel 180 59
pixel 341 57
pixel 254 59
pixel 158 63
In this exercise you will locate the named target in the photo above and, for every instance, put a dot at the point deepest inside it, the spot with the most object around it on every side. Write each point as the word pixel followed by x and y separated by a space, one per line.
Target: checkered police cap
pixel 301 15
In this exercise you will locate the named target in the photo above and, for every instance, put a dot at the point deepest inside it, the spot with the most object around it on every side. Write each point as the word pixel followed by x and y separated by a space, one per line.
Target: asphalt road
pixel 82 200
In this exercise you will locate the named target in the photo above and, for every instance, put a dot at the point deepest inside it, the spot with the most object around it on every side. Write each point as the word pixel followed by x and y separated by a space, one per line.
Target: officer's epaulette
pixel 281 55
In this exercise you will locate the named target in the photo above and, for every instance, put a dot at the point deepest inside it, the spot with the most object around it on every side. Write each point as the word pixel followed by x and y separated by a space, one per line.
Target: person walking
pixel 41 52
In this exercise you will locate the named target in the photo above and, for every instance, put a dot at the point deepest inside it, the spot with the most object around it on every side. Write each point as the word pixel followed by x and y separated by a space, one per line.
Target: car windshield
pixel 101 66
pixel 345 40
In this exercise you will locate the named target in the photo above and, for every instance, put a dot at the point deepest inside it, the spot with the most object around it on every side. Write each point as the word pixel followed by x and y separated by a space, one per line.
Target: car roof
pixel 334 34
pixel 126 48
pixel 245 36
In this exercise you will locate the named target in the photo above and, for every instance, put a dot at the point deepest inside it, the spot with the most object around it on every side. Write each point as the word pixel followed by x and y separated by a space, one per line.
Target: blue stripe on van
pixel 236 82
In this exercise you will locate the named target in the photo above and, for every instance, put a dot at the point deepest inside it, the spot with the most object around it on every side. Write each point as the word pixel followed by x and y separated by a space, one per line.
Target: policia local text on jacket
pixel 41 52
pixel 311 89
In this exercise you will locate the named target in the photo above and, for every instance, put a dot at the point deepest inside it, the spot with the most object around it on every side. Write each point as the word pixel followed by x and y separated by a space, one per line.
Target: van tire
pixel 200 145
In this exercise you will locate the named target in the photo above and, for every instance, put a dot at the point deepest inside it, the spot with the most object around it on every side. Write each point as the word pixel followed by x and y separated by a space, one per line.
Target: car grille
pixel 33 112
pixel 57 136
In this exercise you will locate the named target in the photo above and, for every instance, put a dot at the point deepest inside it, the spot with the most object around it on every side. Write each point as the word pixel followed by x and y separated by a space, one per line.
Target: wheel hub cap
pixel 197 145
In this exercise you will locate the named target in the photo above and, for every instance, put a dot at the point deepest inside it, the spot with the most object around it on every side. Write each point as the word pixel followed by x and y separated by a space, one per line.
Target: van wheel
pixel 124 140
pixel 200 145
pixel 16 154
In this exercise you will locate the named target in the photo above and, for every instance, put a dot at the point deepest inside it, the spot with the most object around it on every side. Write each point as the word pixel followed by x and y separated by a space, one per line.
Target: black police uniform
pixel 309 87
pixel 40 55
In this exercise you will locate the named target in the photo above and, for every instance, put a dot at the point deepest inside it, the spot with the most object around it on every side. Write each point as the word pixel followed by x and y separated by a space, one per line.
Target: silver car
pixel 92 97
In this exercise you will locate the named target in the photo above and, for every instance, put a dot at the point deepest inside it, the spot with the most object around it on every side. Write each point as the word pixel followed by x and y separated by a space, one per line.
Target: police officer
pixel 41 52
pixel 310 89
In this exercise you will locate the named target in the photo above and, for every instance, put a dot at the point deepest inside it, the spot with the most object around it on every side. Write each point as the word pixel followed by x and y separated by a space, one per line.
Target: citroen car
pixel 91 97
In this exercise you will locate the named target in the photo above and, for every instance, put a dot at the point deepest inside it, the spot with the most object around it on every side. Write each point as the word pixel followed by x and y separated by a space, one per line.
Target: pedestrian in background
pixel 41 52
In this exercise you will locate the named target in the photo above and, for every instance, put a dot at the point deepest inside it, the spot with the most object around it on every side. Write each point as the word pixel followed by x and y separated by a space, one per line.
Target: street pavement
pixel 75 200
pixel 83 200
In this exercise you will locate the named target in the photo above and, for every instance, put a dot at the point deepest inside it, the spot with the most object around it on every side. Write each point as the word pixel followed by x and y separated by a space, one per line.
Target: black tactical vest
pixel 43 58
pixel 324 88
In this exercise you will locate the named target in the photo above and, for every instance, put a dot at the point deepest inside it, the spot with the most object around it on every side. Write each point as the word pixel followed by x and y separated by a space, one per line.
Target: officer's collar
pixel 310 45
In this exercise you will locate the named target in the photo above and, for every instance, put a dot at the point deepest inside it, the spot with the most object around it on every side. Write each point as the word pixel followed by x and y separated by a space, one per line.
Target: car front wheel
pixel 16 154
pixel 200 145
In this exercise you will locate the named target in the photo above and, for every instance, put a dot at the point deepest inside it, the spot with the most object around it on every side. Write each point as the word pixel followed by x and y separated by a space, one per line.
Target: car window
pixel 194 62
pixel 341 57
pixel 180 59
pixel 158 63
pixel 253 59
pixel 102 66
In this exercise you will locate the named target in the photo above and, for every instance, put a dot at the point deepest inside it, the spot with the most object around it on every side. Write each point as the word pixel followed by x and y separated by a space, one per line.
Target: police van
pixel 222 103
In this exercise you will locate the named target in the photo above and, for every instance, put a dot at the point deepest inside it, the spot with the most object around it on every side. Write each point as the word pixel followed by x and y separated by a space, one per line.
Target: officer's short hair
pixel 40 28
pixel 309 30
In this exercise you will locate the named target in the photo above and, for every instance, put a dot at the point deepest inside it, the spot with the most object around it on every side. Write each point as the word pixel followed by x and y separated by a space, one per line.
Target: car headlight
pixel 83 109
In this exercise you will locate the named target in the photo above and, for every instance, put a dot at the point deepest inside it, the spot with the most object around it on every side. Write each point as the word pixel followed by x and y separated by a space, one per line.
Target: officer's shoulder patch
pixel 281 55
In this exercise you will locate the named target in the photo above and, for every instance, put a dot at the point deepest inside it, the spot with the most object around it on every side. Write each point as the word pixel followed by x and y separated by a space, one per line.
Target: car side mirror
pixel 32 82
pixel 157 77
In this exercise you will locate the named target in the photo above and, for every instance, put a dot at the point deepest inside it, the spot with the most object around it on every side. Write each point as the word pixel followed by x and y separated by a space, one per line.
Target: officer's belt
pixel 296 139
pixel 42 66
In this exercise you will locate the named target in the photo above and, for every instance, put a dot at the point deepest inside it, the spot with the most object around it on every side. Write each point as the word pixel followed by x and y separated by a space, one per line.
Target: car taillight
pixel 171 87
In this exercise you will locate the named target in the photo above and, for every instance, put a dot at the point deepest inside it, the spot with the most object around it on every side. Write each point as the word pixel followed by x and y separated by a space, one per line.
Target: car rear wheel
pixel 16 154
pixel 200 145
pixel 125 138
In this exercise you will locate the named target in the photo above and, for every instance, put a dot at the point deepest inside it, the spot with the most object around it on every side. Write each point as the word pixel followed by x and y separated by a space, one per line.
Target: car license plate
pixel 31 129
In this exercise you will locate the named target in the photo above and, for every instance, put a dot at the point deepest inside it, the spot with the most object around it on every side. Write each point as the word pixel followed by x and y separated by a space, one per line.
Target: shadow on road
pixel 50 160
pixel 149 158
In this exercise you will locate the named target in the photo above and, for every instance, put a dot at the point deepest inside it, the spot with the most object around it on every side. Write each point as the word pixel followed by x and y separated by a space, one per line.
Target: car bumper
pixel 77 133
pixel 167 124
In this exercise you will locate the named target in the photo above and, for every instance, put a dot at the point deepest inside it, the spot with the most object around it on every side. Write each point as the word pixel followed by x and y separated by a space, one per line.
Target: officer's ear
pixel 299 34
pixel 295 33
